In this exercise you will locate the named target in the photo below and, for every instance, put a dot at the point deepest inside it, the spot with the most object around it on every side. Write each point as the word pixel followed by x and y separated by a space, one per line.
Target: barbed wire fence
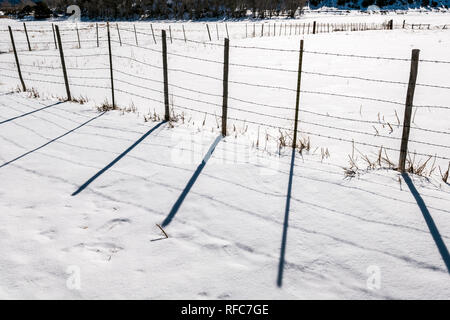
pixel 111 80
pixel 210 31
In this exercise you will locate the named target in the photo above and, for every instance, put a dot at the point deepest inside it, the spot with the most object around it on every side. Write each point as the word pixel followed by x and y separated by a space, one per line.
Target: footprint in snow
pixel 111 224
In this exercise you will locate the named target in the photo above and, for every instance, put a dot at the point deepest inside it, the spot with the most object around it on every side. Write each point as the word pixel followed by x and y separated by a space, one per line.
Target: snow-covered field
pixel 81 191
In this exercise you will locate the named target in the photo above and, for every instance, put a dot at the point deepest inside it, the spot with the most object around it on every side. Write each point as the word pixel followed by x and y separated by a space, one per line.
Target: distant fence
pixel 36 39
pixel 117 83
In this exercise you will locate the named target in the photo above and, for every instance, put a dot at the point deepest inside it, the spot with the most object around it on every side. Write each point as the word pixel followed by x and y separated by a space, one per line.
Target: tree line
pixel 169 9
pixel 196 9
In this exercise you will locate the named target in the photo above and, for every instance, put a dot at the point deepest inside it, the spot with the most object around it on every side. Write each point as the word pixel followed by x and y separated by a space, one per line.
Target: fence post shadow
pixel 51 141
pixel 28 113
pixel 191 182
pixel 98 174
pixel 286 222
pixel 429 220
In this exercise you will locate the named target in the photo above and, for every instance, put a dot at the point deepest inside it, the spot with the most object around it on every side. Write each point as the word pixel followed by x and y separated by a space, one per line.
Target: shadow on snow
pixel 98 174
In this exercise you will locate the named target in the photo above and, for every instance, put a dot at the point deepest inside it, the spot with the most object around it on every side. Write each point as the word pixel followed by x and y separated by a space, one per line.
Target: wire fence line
pixel 246 30
pixel 241 109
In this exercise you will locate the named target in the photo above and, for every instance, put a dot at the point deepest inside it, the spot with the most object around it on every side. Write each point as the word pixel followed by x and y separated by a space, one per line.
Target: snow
pixel 226 217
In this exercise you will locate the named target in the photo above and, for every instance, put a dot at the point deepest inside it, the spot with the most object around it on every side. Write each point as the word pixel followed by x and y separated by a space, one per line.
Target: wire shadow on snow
pixel 28 113
pixel 430 222
pixel 98 174
pixel 51 141
pixel 190 183
pixel 286 222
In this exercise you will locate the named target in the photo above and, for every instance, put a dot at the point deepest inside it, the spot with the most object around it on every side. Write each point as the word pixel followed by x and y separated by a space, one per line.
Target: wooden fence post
pixel 78 36
pixel 184 33
pixel 217 31
pixel 262 29
pixel 153 33
pixel 166 80
pixel 226 58
pixel 209 33
pixel 297 101
pixel 111 66
pixel 26 33
pixel 63 63
pixel 170 34
pixel 118 32
pixel 226 28
pixel 408 109
pixel 54 36
pixel 314 27
pixel 17 59
pixel 135 34
pixel 96 27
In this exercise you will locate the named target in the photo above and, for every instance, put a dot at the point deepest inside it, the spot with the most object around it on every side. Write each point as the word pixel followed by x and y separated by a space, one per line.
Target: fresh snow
pixel 375 236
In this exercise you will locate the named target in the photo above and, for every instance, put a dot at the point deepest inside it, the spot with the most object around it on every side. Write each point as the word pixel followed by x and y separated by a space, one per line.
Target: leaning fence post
pixel 170 34
pixel 314 27
pixel 63 63
pixel 226 27
pixel 17 59
pixel 184 33
pixel 297 101
pixel 166 80
pixel 26 33
pixel 209 33
pixel 78 36
pixel 135 34
pixel 111 67
pixel 54 36
pixel 408 109
pixel 226 58
pixel 153 33
pixel 118 32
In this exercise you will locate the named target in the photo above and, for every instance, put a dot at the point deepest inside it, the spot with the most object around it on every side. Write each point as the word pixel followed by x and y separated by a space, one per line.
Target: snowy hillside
pixel 247 217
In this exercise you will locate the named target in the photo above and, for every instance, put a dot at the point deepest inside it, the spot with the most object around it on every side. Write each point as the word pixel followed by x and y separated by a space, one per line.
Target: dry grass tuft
pixel 80 100
pixel 382 161
pixel 106 106
pixel 33 93
pixel 130 109
pixel 152 116
pixel 444 175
